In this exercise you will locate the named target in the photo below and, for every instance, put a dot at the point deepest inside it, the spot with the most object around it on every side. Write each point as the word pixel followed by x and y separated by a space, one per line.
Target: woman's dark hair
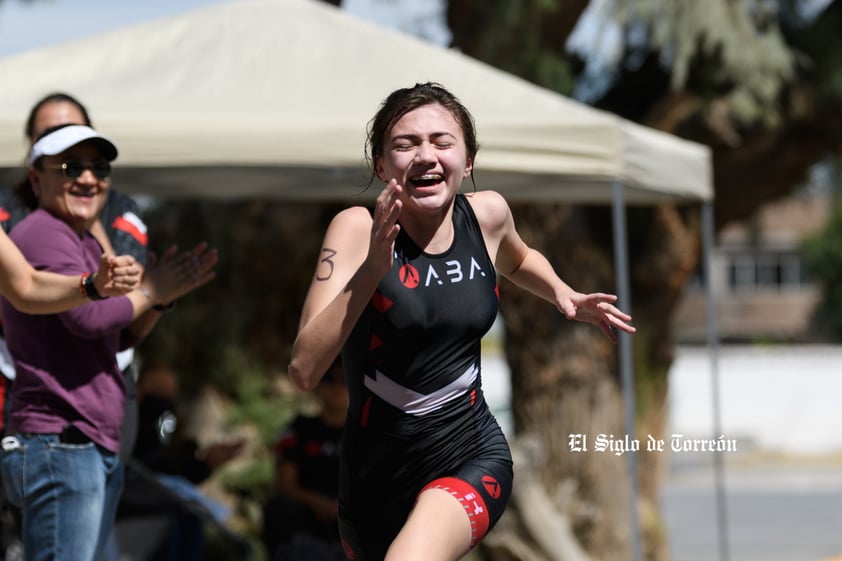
pixel 23 190
pixel 402 101
pixel 56 97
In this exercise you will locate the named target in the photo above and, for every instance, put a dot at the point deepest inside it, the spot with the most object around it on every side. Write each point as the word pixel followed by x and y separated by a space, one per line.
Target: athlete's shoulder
pixel 351 220
pixel 354 214
pixel 490 208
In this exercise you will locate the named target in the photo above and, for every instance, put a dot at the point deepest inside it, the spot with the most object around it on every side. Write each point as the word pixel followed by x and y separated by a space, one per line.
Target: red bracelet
pixel 82 285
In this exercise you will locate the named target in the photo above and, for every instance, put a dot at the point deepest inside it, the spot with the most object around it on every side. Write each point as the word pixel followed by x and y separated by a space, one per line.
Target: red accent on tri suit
pixel 381 303
pixel 366 409
pixel 472 502
pixel 4 214
pixel 374 343
pixel 416 408
pixel 124 225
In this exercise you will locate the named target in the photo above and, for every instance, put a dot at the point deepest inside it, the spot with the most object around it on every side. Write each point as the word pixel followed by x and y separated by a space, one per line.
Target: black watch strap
pixel 90 289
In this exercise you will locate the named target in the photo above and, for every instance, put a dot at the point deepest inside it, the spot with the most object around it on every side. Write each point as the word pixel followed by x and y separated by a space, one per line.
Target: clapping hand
pixel 175 274
pixel 117 275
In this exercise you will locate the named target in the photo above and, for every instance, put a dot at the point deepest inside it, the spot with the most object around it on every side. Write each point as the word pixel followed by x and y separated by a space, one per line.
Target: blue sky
pixel 31 24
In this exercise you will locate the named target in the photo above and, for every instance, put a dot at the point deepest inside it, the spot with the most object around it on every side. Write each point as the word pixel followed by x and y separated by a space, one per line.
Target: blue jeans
pixel 67 494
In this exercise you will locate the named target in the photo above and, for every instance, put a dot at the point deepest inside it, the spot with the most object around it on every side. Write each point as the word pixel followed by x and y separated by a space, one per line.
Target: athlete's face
pixel 425 152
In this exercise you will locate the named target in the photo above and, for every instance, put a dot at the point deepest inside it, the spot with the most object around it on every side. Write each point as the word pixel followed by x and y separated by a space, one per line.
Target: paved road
pixel 776 511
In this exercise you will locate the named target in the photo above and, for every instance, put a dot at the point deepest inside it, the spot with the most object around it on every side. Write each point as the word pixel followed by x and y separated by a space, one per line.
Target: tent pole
pixel 621 273
pixel 713 352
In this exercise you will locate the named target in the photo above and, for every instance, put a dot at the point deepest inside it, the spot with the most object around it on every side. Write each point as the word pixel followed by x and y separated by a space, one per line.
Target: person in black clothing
pixel 406 291
pixel 300 518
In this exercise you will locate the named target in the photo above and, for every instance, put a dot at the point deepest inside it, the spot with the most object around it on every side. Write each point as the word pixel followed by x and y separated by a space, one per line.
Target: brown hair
pixel 402 101
pixel 56 97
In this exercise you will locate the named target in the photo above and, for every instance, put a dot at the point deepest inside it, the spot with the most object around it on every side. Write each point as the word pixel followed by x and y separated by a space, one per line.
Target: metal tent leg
pixel 713 352
pixel 621 272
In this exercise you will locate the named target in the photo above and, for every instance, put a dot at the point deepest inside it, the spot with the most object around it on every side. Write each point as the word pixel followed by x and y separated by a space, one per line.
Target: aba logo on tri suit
pixel 410 277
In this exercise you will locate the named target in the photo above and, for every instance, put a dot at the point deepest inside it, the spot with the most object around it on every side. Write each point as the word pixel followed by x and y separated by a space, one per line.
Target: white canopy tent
pixel 270 98
pixel 224 96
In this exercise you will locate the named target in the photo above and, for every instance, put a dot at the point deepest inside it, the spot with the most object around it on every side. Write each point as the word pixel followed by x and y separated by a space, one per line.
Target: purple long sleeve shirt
pixel 66 371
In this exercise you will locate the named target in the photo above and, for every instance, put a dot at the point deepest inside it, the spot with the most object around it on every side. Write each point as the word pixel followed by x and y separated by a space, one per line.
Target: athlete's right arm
pixel 347 274
pixel 339 291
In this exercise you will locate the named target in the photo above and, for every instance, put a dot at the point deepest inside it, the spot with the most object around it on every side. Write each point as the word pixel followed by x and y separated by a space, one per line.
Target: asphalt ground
pixel 775 509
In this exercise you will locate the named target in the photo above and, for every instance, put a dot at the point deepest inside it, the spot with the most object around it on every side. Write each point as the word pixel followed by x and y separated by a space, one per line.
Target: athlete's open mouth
pixel 426 180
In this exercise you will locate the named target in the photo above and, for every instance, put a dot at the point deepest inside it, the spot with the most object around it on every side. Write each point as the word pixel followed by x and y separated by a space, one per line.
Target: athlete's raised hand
pixel 385 228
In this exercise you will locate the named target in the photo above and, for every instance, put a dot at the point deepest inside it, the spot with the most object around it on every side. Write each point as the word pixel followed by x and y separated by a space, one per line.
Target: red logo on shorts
pixel 409 276
pixel 491 486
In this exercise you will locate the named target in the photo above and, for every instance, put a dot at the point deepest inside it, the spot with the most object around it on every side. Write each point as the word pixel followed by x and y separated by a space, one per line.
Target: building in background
pixel 762 289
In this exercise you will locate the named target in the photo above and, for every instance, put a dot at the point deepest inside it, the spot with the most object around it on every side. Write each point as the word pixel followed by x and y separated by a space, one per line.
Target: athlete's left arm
pixel 529 269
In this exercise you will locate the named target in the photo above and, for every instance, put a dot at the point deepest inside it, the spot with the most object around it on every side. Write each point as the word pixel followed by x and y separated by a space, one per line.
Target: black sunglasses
pixel 74 170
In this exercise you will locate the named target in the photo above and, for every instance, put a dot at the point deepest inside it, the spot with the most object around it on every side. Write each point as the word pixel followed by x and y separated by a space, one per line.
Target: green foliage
pixel 737 43
pixel 821 46
pixel 547 69
pixel 252 480
pixel 257 402
pixel 263 406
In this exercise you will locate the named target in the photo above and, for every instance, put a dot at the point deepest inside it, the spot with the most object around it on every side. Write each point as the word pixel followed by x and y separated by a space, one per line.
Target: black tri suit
pixel 417 416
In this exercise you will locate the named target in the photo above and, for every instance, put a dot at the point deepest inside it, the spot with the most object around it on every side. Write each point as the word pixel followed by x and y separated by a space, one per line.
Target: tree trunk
pixel 565 374
pixel 565 381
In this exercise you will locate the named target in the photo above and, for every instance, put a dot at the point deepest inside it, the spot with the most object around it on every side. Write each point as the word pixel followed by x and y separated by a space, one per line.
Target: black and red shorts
pixel 483 486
